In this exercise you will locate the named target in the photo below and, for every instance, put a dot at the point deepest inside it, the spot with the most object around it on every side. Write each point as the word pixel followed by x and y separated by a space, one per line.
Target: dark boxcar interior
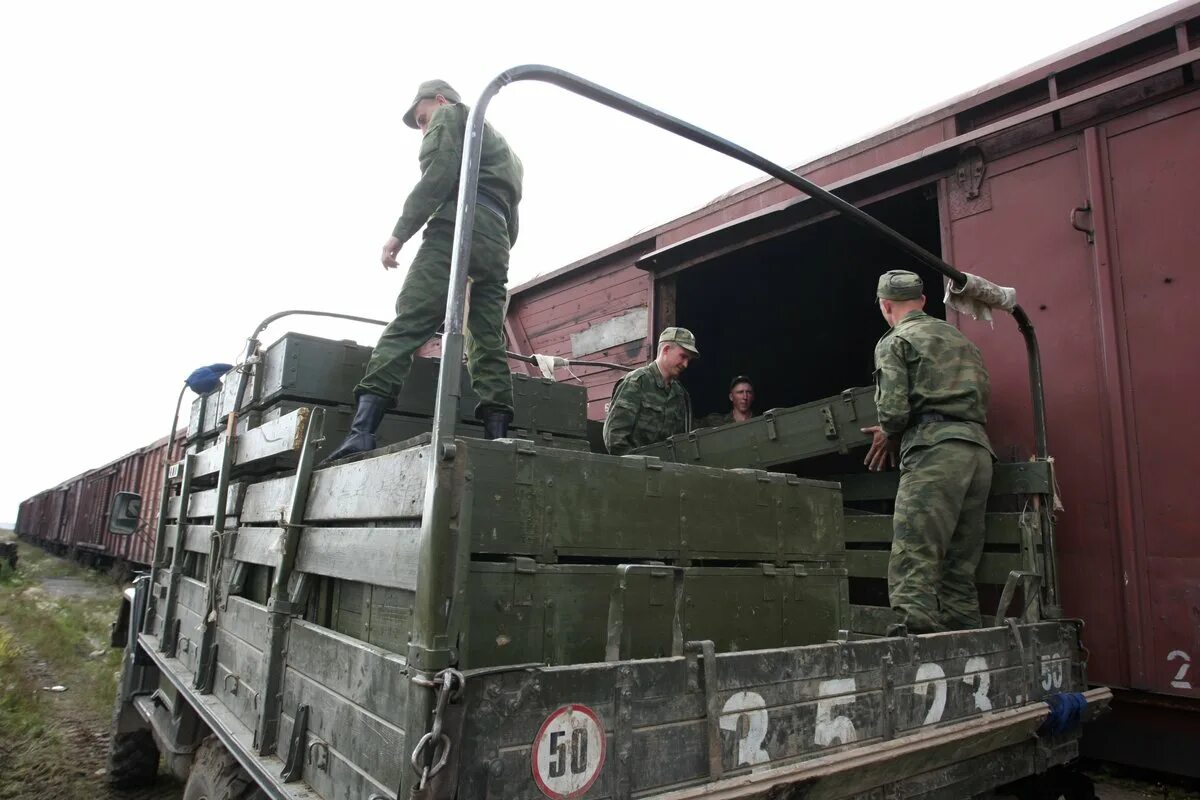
pixel 796 312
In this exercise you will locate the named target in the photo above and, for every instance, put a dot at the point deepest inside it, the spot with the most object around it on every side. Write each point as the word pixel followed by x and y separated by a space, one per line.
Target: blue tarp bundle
pixel 206 379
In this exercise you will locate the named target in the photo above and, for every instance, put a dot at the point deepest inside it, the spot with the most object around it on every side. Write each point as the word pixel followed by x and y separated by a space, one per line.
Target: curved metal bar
pixel 262 326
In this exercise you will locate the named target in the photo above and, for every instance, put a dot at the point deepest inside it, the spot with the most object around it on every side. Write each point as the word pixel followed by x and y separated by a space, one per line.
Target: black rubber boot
pixel 495 423
pixel 361 438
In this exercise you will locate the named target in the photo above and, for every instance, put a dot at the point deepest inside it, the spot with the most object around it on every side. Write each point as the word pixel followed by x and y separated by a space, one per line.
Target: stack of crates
pixel 574 556
pixel 300 370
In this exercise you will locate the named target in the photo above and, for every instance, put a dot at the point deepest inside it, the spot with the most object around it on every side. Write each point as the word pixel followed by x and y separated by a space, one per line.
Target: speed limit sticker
pixel 568 752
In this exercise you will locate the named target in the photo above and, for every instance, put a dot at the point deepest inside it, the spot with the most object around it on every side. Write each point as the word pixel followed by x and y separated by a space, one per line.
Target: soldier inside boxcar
pixel 650 404
pixel 439 113
pixel 741 401
pixel 932 390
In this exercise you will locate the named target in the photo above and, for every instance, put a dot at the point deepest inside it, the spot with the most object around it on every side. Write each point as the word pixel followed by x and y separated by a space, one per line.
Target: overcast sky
pixel 171 173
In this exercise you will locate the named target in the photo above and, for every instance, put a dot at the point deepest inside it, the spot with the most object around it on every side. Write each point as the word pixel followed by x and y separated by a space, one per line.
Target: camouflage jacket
pixel 718 419
pixel 436 195
pixel 926 366
pixel 645 410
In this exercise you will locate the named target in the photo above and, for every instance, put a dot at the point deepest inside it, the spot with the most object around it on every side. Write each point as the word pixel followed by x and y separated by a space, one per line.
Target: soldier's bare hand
pixel 391 249
pixel 882 452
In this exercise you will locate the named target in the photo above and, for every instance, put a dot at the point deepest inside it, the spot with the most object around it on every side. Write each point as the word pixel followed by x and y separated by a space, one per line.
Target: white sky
pixel 171 173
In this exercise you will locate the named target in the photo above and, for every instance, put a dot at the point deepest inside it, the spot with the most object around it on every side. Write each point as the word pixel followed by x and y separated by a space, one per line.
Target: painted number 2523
pixel 745 713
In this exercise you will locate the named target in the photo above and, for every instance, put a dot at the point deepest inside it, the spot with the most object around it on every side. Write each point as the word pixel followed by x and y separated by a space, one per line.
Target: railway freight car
pixel 72 518
pixel 1070 180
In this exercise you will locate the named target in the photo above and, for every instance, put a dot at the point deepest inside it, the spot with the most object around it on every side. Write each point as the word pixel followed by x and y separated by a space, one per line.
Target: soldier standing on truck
pixel 439 113
pixel 932 390
pixel 650 404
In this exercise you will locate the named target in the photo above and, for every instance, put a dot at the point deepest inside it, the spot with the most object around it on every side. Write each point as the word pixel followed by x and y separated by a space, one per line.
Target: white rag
pixel 547 364
pixel 979 296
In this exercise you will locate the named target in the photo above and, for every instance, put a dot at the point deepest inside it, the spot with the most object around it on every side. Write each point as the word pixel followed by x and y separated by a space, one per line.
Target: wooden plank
pixel 366 675
pixel 861 769
pixel 267 501
pixel 259 545
pixel 208 462
pixel 341 777
pixel 204 504
pixel 612 274
pixel 198 539
pixel 391 486
pixel 1001 528
pixel 1024 477
pixel 370 741
pixel 240 657
pixel 191 594
pixel 993 567
pixel 246 620
pixel 239 697
pixel 273 438
pixel 590 308
pixel 380 556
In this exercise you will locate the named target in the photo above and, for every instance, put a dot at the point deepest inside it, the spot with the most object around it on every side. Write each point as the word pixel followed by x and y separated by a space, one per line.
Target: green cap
pixel 900 284
pixel 679 336
pixel 427 90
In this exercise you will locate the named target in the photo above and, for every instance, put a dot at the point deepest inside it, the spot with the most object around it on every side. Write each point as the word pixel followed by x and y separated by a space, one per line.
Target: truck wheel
pixel 217 775
pixel 133 760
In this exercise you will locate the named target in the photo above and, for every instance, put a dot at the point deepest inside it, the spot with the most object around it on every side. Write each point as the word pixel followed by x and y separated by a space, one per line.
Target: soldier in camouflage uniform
pixel 650 404
pixel 741 400
pixel 932 390
pixel 437 110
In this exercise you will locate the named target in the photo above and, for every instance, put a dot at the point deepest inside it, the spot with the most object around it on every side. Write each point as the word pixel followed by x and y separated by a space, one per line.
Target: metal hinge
pixel 970 171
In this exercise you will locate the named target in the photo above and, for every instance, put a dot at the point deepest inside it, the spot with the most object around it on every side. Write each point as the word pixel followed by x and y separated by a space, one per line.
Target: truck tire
pixel 217 775
pixel 132 760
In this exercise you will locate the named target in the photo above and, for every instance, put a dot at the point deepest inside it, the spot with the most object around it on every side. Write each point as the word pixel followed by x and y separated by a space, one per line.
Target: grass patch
pixel 52 743
pixel 69 634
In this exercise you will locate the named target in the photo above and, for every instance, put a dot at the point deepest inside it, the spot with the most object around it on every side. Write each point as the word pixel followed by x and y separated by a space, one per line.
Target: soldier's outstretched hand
pixel 882 452
pixel 391 249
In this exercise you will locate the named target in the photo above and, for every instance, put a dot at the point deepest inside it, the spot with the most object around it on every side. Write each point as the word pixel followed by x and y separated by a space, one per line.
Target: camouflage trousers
pixel 421 307
pixel 937 537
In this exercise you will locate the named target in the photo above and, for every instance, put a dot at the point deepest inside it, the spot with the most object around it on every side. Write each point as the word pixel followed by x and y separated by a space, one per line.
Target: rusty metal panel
pixel 154 458
pixel 1025 240
pixel 1153 166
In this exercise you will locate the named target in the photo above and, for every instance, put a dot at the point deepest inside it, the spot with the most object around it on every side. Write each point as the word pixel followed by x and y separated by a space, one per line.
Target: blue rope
pixel 1066 711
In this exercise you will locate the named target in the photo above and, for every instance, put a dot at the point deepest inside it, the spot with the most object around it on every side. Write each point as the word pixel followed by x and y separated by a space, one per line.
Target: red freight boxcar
pixel 1070 181
pixel 73 516
pixel 140 471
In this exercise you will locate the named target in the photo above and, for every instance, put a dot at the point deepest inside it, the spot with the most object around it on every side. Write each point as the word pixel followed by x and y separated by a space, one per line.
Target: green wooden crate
pixel 779 436
pixel 302 368
pixel 553 504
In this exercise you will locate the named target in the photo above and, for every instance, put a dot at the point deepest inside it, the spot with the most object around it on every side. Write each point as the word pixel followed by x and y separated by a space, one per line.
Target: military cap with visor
pixel 681 337
pixel 900 284
pixel 427 91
